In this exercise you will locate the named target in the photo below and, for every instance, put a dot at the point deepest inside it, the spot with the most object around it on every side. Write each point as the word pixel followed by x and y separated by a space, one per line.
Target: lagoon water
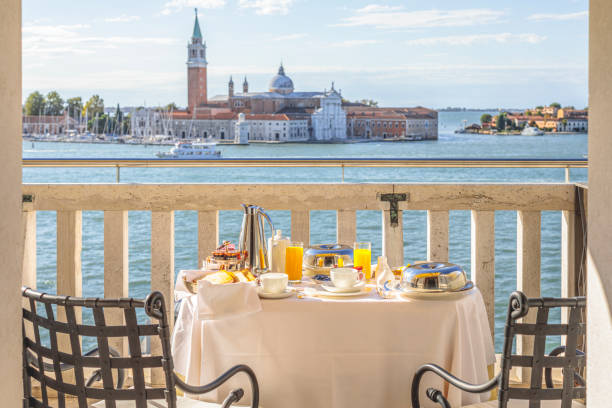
pixel 449 145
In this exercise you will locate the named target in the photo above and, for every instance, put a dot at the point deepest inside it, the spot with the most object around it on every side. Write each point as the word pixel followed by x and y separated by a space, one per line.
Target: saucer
pixel 328 286
pixel 265 295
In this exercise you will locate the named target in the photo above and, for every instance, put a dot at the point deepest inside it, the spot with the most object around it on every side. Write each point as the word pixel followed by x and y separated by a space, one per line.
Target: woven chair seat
pixel 524 404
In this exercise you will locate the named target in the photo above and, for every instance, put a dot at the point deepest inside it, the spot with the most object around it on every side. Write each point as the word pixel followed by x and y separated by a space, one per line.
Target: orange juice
pixel 293 261
pixel 363 257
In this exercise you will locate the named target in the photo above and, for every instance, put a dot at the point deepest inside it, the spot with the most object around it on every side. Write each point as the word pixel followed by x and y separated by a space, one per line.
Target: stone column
pixel 599 254
pixel 11 248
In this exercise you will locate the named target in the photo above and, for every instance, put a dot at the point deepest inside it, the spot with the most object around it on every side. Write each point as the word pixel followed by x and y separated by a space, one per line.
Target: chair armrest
pixel 234 396
pixel 548 370
pixel 451 379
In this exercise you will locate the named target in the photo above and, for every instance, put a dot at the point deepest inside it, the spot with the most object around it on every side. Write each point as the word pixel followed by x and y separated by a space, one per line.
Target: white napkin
pixel 227 300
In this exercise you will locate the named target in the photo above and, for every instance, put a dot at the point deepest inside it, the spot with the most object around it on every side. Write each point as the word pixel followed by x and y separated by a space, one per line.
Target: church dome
pixel 281 83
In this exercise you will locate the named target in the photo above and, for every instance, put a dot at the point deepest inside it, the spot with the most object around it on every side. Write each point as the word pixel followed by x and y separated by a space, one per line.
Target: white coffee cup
pixel 274 282
pixel 344 278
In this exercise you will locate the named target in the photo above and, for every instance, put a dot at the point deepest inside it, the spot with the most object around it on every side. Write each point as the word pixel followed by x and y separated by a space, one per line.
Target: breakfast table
pixel 358 351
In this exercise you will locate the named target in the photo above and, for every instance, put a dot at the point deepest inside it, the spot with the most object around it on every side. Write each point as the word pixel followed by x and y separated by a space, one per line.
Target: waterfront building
pixel 391 123
pixel 329 121
pixel 46 124
pixel 290 115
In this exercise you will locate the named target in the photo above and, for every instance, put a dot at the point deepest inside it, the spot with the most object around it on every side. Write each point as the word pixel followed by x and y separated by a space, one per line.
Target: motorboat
pixel 191 151
pixel 531 131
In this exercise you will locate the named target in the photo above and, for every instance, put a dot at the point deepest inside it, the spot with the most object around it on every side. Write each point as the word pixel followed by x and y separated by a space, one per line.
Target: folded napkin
pixel 226 301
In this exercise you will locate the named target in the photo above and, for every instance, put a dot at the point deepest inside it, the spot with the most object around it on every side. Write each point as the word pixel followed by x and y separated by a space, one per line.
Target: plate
pixel 342 294
pixel 265 295
pixel 434 295
pixel 328 286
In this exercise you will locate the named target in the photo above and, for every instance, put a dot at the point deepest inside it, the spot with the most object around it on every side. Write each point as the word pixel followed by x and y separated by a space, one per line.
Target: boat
pixel 191 151
pixel 531 131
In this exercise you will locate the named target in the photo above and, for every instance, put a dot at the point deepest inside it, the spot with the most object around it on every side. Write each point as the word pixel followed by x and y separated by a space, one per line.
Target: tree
pixel 501 121
pixel 74 106
pixel 368 102
pixel 555 105
pixel 527 113
pixel 35 104
pixel 539 107
pixel 54 104
pixel 171 107
pixel 485 118
pixel 94 106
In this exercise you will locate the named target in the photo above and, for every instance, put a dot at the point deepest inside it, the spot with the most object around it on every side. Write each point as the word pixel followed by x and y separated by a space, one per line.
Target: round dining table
pixel 338 352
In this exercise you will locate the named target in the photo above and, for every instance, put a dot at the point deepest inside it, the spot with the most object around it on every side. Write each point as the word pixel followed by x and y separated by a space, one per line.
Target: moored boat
pixel 191 151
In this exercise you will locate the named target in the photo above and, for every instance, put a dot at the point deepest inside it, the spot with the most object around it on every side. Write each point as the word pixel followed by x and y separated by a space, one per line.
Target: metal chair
pixel 535 396
pixel 103 360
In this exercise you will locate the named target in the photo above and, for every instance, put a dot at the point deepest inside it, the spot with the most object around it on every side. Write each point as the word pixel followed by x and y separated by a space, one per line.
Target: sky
pixel 434 53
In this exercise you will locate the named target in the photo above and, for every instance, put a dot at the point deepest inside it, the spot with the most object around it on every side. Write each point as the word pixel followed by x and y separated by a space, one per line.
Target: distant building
pixel 280 114
pixel 391 123
pixel 329 121
pixel 196 68
pixel 46 124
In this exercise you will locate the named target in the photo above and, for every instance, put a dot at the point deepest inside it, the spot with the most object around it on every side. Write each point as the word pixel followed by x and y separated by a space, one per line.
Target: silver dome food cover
pixel 435 277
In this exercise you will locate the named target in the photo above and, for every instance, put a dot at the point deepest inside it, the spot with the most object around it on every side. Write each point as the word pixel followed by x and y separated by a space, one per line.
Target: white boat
pixel 531 131
pixel 191 151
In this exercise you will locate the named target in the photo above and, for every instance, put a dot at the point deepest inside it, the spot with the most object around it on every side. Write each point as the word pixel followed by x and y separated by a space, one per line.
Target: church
pixel 279 114
pixel 320 111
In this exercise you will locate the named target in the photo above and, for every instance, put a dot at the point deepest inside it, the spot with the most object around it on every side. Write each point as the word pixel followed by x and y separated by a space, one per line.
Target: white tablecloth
pixel 354 352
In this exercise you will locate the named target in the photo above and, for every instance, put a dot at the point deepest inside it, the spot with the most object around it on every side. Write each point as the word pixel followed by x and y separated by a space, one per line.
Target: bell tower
pixel 196 68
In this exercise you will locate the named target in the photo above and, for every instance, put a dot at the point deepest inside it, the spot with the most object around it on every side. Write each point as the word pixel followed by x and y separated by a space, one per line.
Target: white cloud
pixel 353 43
pixel 57 41
pixel 267 6
pixel 289 37
pixel 394 17
pixel 373 8
pixel 174 6
pixel 558 17
pixel 478 38
pixel 124 18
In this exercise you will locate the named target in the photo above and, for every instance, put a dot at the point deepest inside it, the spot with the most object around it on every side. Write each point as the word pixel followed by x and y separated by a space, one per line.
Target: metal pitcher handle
pixel 262 212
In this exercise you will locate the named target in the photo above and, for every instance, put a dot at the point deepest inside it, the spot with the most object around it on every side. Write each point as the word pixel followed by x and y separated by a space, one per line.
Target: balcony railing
pixel 529 200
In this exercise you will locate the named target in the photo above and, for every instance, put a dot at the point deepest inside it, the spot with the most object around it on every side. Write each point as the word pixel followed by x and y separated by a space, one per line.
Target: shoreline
pixel 224 143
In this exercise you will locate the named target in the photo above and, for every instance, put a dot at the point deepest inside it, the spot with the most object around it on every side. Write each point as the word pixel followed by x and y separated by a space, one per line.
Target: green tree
pixel 555 105
pixel 501 121
pixel 527 113
pixel 485 118
pixel 94 106
pixel 539 107
pixel 125 128
pixel 74 106
pixel 368 102
pixel 171 107
pixel 35 104
pixel 54 104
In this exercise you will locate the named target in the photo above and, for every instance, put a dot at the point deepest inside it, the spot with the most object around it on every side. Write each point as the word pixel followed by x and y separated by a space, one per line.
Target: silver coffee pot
pixel 253 243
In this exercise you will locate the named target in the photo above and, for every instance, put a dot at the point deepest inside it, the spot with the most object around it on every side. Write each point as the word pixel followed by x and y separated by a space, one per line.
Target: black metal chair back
pixel 41 356
pixel 539 363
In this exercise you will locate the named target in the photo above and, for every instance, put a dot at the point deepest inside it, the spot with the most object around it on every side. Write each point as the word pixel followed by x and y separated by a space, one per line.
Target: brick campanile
pixel 196 68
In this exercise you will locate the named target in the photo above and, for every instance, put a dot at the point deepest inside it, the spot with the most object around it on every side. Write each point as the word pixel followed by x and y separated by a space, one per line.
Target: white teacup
pixel 344 278
pixel 274 282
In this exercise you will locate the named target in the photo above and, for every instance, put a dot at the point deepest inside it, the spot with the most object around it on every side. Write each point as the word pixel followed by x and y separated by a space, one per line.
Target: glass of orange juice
pixel 294 255
pixel 362 256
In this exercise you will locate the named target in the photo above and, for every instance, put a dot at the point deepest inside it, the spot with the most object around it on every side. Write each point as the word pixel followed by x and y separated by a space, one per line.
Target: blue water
pixel 449 145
